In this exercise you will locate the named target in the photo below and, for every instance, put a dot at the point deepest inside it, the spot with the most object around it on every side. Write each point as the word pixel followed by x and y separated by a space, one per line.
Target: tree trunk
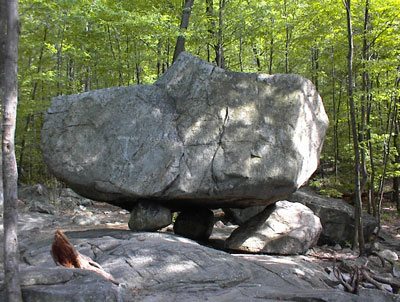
pixel 335 119
pixel 315 65
pixel 10 176
pixel 218 44
pixel 257 58
pixel 59 58
pixel 287 39
pixel 220 57
pixel 29 119
pixel 358 229
pixel 241 53
pixel 3 22
pixel 39 68
pixel 180 43
pixel 271 47
pixel 386 154
pixel 396 179
pixel 159 47
pixel 364 98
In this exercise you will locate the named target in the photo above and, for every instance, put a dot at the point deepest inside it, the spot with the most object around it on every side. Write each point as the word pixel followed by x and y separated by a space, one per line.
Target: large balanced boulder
pixel 200 135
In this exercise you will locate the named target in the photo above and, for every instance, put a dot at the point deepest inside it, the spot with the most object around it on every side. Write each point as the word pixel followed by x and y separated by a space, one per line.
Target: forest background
pixel 72 46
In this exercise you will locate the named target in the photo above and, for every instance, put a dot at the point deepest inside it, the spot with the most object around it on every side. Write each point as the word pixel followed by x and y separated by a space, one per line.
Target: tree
pixel 358 227
pixel 180 44
pixel 2 56
pixel 10 177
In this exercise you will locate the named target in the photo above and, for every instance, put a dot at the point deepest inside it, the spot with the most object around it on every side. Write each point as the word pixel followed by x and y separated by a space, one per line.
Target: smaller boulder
pixel 284 228
pixel 149 216
pixel 196 224
pixel 240 216
pixel 337 217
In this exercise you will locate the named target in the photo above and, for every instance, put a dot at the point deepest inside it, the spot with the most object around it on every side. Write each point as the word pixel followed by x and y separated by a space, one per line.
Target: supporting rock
pixel 337 217
pixel 284 228
pixel 149 216
pixel 195 224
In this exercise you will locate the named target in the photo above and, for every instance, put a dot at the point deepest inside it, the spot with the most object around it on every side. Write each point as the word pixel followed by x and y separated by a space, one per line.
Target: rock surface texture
pixel 284 228
pixel 165 267
pixel 162 267
pixel 337 217
pixel 200 135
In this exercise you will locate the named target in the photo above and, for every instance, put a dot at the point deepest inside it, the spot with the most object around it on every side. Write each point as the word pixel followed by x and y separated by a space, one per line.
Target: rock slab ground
pixel 160 266
pixel 200 135
pixel 163 267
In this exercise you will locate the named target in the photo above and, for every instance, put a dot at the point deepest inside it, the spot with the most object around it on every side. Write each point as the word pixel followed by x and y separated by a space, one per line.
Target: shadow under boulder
pixel 196 224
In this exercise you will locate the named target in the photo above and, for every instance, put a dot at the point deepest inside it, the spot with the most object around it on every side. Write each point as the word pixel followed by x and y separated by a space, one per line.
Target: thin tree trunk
pixel 218 44
pixel 396 179
pixel 364 98
pixel 128 66
pixel 287 42
pixel 335 128
pixel 358 227
pixel 389 130
pixel 371 197
pixel 371 203
pixel 271 47
pixel 29 118
pixel 159 47
pixel 10 176
pixel 257 57
pixel 114 55
pixel 241 53
pixel 59 58
pixel 180 43
pixel 315 65
pixel 220 57
pixel 120 66
pixel 39 68
pixel 138 67
pixel 3 35
pixel 211 27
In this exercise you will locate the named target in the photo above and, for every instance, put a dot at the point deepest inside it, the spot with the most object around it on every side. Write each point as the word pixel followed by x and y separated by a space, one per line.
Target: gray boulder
pixel 337 217
pixel 149 216
pixel 284 228
pixel 196 224
pixel 200 135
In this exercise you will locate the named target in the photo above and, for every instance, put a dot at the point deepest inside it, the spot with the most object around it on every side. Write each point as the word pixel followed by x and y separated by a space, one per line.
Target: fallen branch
pixel 64 254
pixel 352 286
pixel 371 280
pixel 395 284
